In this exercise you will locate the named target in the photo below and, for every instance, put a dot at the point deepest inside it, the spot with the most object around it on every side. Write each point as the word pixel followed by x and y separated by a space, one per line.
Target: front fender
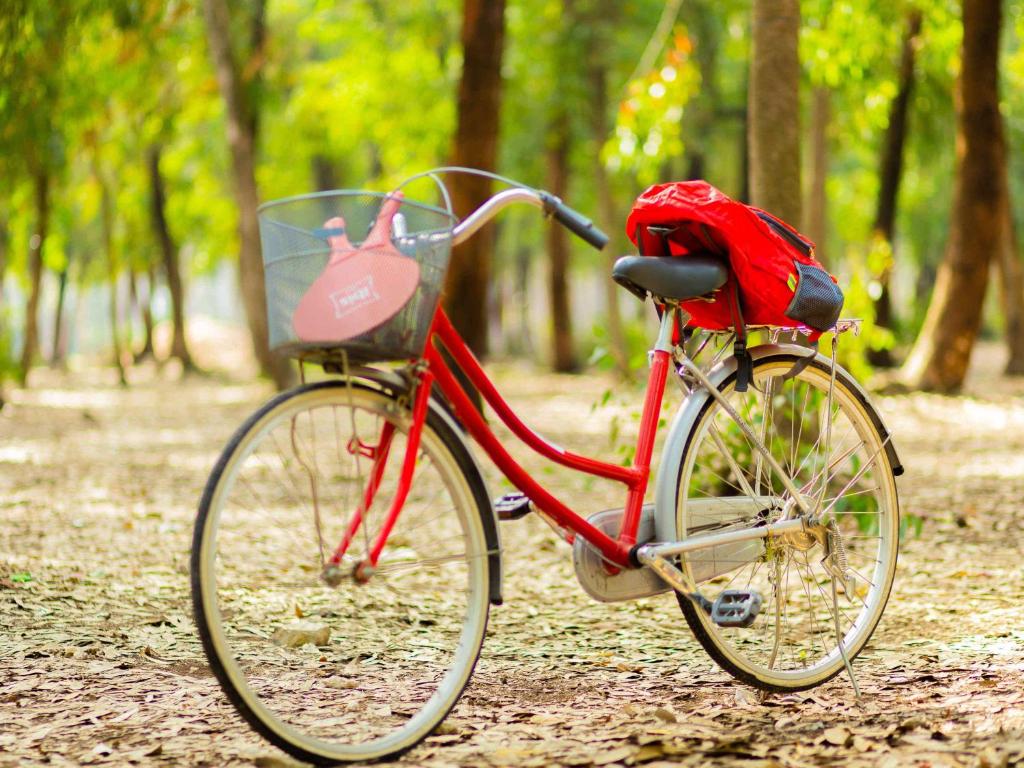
pixel 686 418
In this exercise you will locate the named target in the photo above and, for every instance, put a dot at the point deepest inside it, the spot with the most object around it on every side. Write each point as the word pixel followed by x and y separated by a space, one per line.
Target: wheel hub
pixel 809 535
pixel 799 540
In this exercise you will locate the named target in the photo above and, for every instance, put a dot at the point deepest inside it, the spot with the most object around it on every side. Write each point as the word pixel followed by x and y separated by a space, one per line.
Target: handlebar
pixel 572 220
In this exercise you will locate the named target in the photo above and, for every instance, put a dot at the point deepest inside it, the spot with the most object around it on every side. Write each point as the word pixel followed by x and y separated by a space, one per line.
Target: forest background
pixel 137 138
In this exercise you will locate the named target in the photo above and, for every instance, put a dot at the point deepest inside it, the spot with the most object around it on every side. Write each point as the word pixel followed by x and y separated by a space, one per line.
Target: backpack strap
pixel 802 363
pixel 744 362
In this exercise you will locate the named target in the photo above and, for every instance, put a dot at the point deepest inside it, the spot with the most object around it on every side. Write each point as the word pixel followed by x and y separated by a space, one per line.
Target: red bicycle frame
pixel 635 477
pixel 616 551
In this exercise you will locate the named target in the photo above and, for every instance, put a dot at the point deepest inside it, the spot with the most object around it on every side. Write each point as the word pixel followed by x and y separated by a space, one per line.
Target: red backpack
pixel 772 265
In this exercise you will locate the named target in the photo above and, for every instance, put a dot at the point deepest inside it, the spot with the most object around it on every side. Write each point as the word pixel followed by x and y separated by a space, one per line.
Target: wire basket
pixel 353 272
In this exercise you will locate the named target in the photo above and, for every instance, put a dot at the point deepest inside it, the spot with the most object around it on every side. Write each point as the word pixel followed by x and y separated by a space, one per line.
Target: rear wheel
pixel 358 671
pixel 809 580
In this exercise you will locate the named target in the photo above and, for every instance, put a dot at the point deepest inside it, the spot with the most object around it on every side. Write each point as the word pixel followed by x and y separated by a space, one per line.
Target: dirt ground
pixel 100 663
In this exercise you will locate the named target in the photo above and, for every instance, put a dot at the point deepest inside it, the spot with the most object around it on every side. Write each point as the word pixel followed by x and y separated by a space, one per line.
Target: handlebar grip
pixel 575 222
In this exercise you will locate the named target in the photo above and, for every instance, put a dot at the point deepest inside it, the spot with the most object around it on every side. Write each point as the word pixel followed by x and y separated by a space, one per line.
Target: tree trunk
pixel 58 353
pixel 3 316
pixel 942 351
pixel 1011 276
pixel 699 117
pixel 325 173
pixel 889 178
pixel 774 106
pixel 169 257
pixel 816 219
pixel 745 164
pixel 4 234
pixel 523 262
pixel 35 271
pixel 147 312
pixel 4 244
pixel 144 305
pixel 107 231
pixel 563 355
pixel 476 146
pixel 242 117
pixel 606 204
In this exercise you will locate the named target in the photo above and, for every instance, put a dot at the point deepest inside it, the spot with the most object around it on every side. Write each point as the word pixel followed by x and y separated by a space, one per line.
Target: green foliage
pixel 622 408
pixel 854 50
pixel 911 524
pixel 861 288
pixel 8 360
pixel 367 86
pixel 649 126
pixel 638 342
pixel 362 93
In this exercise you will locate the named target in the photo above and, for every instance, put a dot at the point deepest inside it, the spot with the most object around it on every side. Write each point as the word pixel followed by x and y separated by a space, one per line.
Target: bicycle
pixel 355 504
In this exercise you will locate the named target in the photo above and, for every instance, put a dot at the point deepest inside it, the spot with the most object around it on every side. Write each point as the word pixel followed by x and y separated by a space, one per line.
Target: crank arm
pixel 732 608
pixel 669 572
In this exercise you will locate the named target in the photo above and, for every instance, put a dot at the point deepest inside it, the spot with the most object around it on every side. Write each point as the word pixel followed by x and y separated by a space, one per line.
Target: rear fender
pixel 691 408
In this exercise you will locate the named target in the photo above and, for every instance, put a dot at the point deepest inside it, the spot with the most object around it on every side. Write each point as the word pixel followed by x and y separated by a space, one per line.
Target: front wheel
pixel 810 581
pixel 356 671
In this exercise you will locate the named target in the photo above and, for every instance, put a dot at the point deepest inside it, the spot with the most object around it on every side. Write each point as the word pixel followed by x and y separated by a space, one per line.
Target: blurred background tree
pixel 137 138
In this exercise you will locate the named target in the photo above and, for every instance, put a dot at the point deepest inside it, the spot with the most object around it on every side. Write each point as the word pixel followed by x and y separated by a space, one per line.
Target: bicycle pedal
pixel 736 608
pixel 512 506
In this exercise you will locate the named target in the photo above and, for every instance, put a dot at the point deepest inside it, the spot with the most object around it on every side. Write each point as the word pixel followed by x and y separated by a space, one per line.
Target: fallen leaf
pixel 614 756
pixel 299 634
pixel 273 761
pixel 343 683
pixel 838 736
pixel 666 715
pixel 649 752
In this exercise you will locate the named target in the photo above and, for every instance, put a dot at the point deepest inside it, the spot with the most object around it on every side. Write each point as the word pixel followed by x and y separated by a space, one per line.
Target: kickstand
pixel 839 643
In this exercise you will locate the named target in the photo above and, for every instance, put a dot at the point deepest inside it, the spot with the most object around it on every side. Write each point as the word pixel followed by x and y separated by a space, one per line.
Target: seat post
pixel 665 330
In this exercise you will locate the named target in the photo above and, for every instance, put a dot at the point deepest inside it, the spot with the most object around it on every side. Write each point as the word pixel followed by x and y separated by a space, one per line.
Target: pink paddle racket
pixel 361 287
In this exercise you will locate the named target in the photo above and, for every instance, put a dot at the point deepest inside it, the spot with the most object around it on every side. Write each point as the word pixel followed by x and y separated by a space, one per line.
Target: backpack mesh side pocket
pixel 817 301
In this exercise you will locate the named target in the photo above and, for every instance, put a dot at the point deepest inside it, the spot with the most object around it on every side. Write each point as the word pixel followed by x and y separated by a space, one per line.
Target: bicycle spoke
pixel 400 639
pixel 830 446
pixel 737 472
pixel 873 489
pixel 810 602
pixel 397 567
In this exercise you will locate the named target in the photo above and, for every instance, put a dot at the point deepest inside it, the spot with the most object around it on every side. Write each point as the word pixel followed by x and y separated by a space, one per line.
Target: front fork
pixel 332 573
